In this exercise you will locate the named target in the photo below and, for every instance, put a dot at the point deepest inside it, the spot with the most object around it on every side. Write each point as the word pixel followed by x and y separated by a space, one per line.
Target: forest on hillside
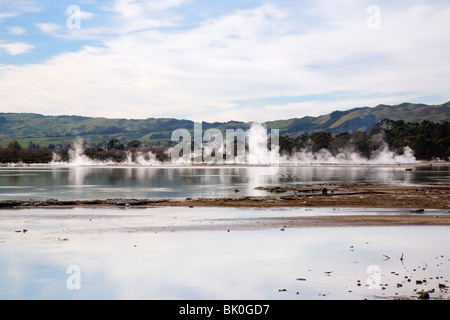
pixel 428 141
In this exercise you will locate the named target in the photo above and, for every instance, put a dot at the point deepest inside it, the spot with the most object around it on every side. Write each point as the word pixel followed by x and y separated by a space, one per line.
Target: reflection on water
pixel 84 182
pixel 126 254
pixel 115 263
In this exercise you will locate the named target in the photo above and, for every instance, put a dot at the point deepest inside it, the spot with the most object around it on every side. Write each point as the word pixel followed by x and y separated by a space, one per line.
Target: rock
pixel 442 286
pixel 324 191
pixel 95 201
pixel 67 202
pixel 424 295
pixel 10 203
pixel 125 202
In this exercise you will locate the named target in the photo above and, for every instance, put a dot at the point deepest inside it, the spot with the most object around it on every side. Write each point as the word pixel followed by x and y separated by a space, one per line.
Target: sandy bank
pixel 388 196
pixel 336 221
pixel 414 199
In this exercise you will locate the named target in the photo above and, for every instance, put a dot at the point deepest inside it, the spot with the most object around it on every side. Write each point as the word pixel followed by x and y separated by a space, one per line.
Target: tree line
pixel 14 153
pixel 428 141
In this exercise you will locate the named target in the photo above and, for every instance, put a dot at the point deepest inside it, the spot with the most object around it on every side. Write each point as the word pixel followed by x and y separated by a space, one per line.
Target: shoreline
pixel 214 165
pixel 436 196
pixel 284 223
pixel 415 199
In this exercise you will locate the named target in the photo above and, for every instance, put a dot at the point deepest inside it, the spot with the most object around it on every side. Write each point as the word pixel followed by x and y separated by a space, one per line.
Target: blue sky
pixel 247 60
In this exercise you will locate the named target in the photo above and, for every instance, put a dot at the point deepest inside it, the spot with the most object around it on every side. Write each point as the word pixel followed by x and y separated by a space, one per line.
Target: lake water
pixel 127 254
pixel 157 253
pixel 102 182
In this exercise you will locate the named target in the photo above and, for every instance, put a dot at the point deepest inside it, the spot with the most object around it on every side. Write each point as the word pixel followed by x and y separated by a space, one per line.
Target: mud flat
pixel 417 198
pixel 181 253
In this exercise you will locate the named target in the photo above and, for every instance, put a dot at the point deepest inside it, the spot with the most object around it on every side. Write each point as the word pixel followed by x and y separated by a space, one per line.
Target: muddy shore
pixel 415 199
pixel 325 195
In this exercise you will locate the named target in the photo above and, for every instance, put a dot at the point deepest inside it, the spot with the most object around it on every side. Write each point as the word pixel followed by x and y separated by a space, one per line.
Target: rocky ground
pixel 362 195
pixel 415 199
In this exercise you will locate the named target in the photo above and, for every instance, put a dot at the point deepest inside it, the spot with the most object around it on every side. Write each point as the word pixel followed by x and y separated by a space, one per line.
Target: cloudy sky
pixel 247 60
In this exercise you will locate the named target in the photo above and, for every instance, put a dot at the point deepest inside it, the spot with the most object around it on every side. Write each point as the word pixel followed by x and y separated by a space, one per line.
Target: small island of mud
pixel 415 199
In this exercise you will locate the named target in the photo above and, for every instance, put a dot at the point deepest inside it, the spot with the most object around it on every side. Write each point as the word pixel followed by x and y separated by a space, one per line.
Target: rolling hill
pixel 363 119
pixel 45 130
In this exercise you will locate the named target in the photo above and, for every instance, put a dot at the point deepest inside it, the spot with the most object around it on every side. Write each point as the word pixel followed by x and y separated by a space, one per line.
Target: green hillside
pixel 363 119
pixel 45 130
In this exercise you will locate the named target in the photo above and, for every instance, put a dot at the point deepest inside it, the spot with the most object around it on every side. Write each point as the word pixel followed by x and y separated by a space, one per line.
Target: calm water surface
pixel 118 256
pixel 127 254
pixel 96 182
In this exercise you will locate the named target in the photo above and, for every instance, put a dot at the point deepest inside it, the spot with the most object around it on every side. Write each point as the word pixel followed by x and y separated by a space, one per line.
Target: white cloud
pixel 133 8
pixel 48 27
pixel 75 10
pixel 17 30
pixel 7 15
pixel 247 55
pixel 125 16
pixel 133 15
pixel 16 48
pixel 87 15
pixel 22 6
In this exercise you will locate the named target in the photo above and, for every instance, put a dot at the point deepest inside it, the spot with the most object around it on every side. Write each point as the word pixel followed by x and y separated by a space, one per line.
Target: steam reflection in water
pixel 92 182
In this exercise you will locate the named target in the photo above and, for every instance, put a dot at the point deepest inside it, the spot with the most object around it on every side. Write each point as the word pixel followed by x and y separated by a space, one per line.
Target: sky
pixel 246 60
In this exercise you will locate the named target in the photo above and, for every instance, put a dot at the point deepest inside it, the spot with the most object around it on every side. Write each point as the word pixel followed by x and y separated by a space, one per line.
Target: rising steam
pixel 382 156
pixel 257 153
pixel 78 158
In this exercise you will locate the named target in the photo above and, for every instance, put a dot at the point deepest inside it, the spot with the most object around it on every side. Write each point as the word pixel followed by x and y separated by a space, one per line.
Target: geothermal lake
pixel 102 182
pixel 132 253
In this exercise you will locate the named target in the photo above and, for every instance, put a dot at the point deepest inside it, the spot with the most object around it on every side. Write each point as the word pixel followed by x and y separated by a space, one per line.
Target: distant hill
pixel 363 119
pixel 45 130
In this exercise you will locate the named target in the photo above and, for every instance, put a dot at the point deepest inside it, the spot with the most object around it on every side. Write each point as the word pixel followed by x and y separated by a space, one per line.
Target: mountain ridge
pixel 44 130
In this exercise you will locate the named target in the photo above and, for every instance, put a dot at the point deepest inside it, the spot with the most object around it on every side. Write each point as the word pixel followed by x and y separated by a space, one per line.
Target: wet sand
pixel 336 196
pixel 147 254
pixel 339 221
pixel 415 199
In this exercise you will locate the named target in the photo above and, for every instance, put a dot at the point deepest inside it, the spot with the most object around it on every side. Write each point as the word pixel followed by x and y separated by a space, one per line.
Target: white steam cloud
pixel 257 153
pixel 382 156
pixel 78 158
